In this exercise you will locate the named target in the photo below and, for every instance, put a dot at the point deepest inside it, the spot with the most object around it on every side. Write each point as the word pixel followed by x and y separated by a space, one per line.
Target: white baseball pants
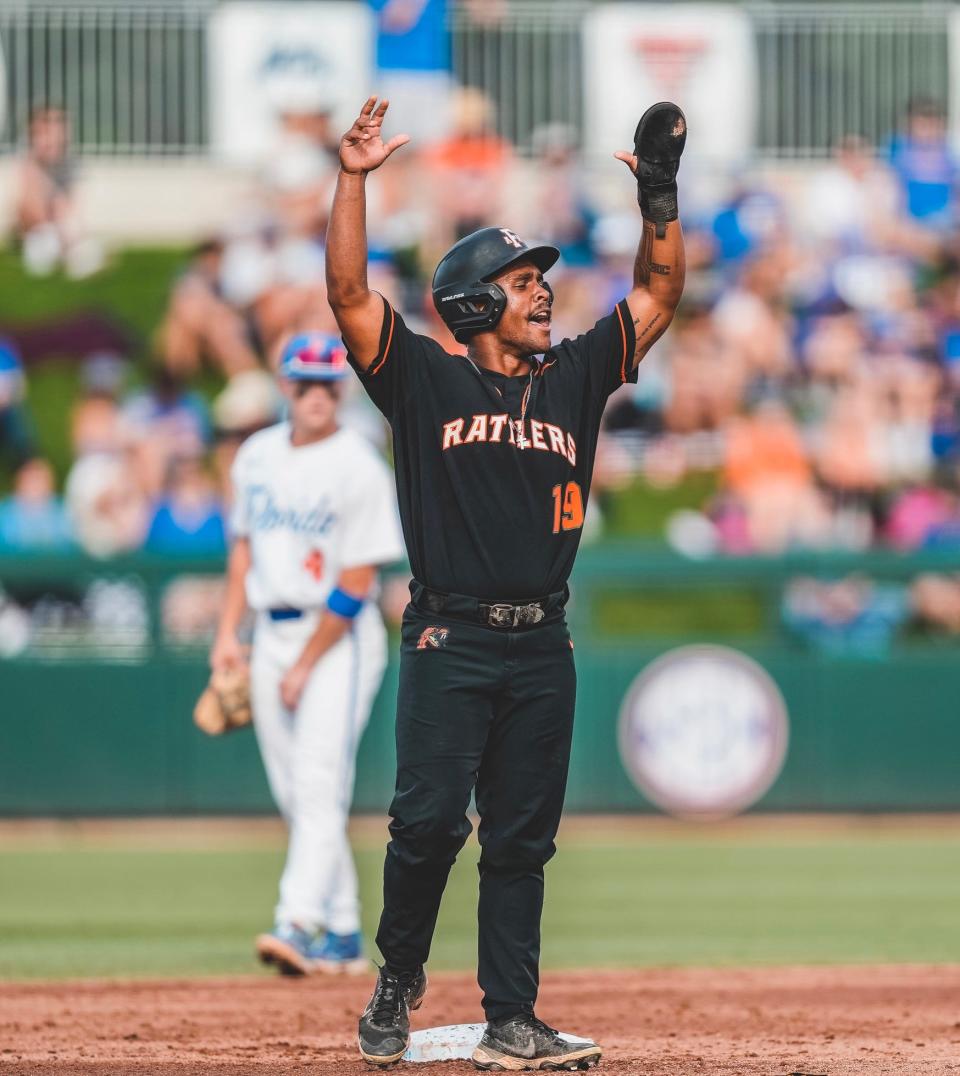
pixel 310 756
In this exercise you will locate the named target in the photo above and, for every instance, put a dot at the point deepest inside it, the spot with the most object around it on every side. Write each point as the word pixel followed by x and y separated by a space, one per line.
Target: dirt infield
pixel 757 1022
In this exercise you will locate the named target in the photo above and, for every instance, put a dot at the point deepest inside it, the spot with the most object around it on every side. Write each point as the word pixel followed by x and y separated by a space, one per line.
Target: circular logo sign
pixel 703 731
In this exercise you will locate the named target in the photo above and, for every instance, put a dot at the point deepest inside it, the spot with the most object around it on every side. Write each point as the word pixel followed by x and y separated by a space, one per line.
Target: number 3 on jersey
pixel 567 507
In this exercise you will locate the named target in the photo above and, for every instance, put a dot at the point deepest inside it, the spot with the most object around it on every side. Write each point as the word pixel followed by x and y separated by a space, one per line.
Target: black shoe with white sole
pixel 524 1042
pixel 385 1024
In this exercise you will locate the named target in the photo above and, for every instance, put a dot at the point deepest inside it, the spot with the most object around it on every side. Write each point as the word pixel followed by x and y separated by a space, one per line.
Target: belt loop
pixel 430 601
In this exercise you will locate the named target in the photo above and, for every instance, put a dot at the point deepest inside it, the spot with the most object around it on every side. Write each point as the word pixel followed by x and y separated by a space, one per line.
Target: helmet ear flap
pixel 469 310
pixel 499 298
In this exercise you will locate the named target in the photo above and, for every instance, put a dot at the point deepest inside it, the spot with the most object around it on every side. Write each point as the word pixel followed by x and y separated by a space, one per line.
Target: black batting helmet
pixel 462 292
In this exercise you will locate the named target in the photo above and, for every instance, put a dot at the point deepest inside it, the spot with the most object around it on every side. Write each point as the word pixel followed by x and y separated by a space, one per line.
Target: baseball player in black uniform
pixel 494 453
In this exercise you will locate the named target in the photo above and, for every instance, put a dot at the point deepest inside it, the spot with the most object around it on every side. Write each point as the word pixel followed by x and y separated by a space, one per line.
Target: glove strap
pixel 659 205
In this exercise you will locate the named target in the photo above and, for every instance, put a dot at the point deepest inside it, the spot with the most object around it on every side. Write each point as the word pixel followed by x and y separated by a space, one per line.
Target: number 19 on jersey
pixel 567 507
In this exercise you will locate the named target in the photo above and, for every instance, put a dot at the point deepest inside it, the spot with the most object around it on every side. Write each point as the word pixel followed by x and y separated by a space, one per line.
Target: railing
pixel 832 69
pixel 134 76
pixel 134 609
pixel 529 62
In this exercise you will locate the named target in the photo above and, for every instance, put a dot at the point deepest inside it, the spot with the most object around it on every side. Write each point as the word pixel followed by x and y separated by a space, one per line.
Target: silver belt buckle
pixel 502 616
pixel 530 614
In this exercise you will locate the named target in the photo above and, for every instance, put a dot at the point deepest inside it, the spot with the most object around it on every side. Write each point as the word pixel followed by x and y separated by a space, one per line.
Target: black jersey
pixel 493 472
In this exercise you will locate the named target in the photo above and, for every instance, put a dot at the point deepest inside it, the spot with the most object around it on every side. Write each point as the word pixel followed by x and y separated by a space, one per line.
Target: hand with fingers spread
pixel 362 148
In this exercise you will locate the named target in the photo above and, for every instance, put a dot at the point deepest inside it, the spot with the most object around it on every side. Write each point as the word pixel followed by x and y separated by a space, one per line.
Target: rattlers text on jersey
pixel 493 472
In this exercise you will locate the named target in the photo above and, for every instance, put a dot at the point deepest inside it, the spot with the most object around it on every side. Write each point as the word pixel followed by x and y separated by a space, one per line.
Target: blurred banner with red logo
pixel 701 56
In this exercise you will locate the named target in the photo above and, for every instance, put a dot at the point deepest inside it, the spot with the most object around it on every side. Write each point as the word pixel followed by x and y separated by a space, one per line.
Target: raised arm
pixel 660 266
pixel 358 310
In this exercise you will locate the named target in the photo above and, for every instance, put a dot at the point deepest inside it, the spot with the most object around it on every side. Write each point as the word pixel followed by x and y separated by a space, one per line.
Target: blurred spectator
pixel 300 171
pixel 766 467
pixel 945 429
pixel 855 615
pixel 45 216
pixel 914 514
pixel 469 169
pixel 248 403
pixel 413 64
pixel 752 220
pixel 274 269
pixel 164 421
pixel 16 429
pixel 924 165
pixel 752 321
pixel 96 424
pixel 935 599
pixel 614 238
pixel 561 214
pixel 106 505
pixel 944 533
pixel 33 517
pixel 908 391
pixel 188 519
pixel 850 457
pixel 835 349
pixel 850 204
pixel 707 380
pixel 201 323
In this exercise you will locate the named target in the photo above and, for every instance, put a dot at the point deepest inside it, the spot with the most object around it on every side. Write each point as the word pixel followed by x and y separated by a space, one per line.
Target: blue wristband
pixel 344 604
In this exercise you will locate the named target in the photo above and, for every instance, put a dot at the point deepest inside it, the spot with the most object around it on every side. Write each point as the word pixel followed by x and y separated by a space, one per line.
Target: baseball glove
pixel 224 704
pixel 658 144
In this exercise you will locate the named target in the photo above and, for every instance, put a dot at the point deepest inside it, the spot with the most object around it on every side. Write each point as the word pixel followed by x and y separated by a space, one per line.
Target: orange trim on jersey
pixel 544 366
pixel 374 370
pixel 623 333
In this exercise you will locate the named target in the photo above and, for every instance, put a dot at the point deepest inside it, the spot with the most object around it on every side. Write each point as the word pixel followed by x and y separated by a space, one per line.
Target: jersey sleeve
pixel 393 376
pixel 371 533
pixel 605 353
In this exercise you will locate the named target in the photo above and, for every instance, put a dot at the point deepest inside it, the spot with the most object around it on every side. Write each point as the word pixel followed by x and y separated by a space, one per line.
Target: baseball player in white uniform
pixel 314 516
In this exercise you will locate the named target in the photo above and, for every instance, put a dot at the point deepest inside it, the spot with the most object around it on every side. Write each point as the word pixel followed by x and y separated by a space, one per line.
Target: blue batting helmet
pixel 313 356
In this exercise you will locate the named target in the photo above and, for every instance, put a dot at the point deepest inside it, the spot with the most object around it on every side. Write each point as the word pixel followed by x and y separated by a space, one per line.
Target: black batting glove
pixel 658 145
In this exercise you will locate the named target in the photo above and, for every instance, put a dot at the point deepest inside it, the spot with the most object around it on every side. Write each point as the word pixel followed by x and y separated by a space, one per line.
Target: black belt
pixel 522 613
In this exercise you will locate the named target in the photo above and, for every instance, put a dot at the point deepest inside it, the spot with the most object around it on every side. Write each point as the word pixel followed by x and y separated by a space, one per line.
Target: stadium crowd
pixel 814 366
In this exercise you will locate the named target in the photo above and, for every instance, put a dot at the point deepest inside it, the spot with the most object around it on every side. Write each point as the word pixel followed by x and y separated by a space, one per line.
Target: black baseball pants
pixel 488 709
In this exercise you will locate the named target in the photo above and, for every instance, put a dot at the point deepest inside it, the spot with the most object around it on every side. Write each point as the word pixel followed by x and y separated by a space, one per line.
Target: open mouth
pixel 542 318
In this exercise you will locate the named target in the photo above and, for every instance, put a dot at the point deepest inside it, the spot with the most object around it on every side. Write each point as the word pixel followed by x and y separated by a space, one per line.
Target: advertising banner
pixel 699 55
pixel 269 57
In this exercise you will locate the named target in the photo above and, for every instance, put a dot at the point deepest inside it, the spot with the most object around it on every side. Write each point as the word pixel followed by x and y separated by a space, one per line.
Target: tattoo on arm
pixel 645 265
pixel 649 335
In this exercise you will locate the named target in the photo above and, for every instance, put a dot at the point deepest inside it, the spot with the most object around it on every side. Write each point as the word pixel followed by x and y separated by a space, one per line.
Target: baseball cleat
pixel 385 1024
pixel 287 947
pixel 524 1042
pixel 339 954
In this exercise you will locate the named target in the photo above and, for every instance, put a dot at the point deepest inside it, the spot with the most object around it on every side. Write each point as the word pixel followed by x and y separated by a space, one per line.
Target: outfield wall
pixel 82 734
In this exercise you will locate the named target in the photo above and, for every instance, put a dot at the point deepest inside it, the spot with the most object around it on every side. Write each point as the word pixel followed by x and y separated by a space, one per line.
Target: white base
pixel 451 1043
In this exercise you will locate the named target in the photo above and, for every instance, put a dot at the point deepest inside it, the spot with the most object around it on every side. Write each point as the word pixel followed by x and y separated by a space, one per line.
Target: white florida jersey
pixel 309 513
